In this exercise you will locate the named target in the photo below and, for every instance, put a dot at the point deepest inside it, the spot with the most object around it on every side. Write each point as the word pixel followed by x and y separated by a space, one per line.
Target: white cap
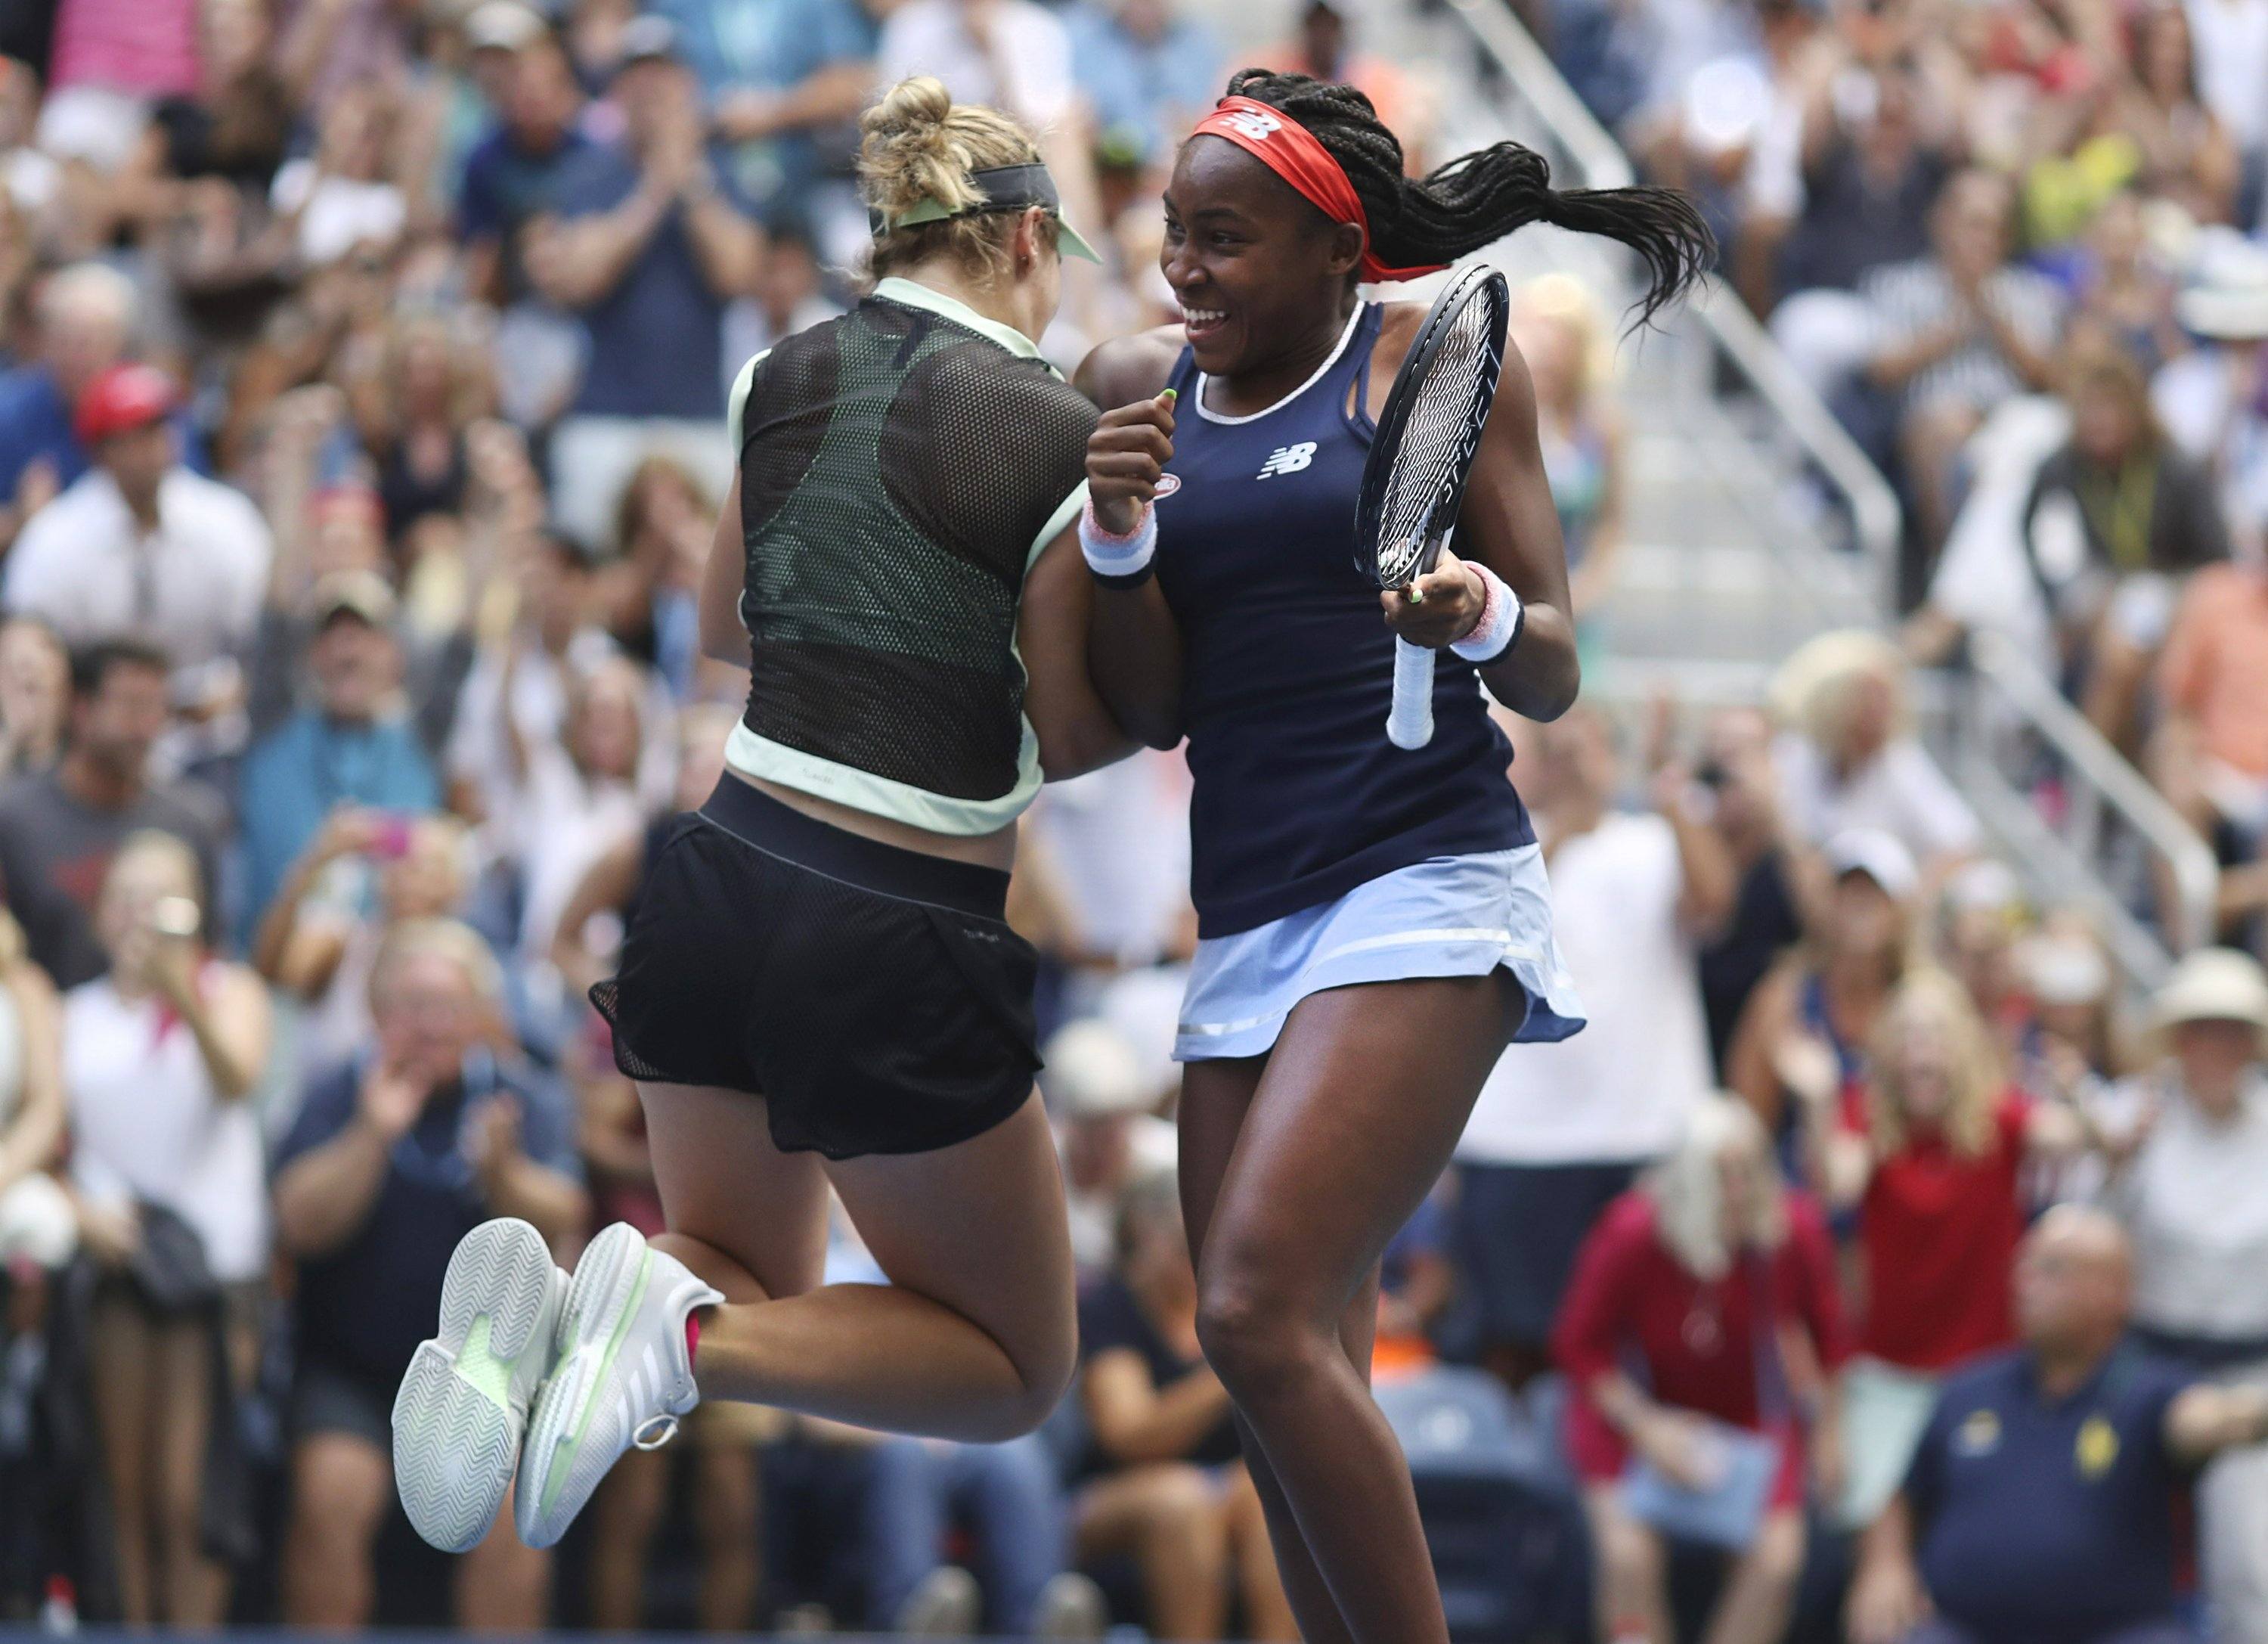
pixel 1093 1073
pixel 1876 854
pixel 2214 984
pixel 505 24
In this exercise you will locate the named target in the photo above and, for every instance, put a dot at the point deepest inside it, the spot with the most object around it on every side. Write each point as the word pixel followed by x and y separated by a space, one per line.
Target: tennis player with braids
pixel 818 986
pixel 1374 923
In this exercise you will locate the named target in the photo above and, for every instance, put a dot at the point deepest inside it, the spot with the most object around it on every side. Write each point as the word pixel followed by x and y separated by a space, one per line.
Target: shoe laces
pixel 654 1432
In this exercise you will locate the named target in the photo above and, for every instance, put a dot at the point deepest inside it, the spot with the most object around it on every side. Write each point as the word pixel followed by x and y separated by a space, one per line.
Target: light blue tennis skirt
pixel 1448 916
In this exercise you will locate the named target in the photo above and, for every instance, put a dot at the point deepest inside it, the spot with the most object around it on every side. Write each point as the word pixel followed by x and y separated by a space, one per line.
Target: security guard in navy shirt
pixel 2038 1510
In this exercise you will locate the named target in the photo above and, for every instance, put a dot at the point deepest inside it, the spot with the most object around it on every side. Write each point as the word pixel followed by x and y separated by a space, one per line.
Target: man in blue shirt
pixel 778 75
pixel 1147 72
pixel 648 247
pixel 354 745
pixel 2039 1508
pixel 512 174
pixel 391 1161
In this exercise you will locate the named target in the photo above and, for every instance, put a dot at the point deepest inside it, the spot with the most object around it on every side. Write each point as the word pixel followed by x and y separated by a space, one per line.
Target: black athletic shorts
pixel 874 996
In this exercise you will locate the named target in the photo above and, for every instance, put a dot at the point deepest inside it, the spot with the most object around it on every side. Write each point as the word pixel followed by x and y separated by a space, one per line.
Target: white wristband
pixel 1502 617
pixel 1119 562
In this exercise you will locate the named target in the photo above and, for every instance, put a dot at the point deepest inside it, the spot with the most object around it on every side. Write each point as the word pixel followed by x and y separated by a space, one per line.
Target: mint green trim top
pixel 753 755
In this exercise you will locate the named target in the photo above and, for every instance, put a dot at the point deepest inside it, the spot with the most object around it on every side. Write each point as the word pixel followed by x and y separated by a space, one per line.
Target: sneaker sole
pixel 456 1432
pixel 609 1283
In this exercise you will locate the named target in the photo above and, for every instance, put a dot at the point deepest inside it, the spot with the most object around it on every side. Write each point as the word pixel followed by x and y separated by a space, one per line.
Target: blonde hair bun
pixel 920 145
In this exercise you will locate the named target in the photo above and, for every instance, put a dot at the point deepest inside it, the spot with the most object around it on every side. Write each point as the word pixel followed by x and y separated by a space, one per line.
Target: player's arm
pixel 1076 729
pixel 1507 523
pixel 1134 645
pixel 723 638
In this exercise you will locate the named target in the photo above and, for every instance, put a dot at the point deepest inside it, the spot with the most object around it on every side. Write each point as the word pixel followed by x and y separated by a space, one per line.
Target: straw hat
pixel 2214 984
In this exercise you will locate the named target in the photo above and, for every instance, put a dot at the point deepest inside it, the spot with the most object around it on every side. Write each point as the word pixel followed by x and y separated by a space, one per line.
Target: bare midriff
pixel 997 849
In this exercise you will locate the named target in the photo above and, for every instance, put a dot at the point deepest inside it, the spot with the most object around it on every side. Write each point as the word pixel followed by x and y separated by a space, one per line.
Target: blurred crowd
pixel 2017 246
pixel 1870 1259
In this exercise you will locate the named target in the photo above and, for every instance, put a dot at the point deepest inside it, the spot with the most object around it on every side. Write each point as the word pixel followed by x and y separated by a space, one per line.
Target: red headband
pixel 1293 152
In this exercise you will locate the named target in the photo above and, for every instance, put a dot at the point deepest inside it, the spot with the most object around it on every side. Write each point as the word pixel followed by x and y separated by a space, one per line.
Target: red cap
pixel 122 399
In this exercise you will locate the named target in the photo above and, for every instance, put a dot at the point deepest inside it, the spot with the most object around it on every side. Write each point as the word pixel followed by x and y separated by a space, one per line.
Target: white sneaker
pixel 947 1605
pixel 623 1377
pixel 463 1405
pixel 1071 1607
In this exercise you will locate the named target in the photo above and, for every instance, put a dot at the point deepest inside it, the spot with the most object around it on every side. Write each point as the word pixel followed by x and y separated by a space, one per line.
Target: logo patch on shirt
pixel 1288 459
pixel 1978 1434
pixel 2097 1449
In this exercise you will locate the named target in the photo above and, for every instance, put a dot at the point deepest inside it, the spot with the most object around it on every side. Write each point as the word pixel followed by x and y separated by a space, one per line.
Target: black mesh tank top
pixel 901 467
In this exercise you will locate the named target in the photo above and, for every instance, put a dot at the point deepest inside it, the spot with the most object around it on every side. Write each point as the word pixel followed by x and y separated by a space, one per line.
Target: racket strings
pixel 1436 442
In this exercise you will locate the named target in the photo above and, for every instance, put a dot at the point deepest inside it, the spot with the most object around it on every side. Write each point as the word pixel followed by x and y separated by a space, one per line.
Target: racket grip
pixel 1411 723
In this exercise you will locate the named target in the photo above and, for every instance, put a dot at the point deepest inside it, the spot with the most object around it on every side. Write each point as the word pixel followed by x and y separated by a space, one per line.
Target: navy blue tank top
pixel 1287 670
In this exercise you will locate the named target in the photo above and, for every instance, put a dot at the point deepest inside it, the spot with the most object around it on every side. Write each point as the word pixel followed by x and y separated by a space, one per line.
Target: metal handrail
pixel 2000 662
pixel 1875 513
pixel 2104 779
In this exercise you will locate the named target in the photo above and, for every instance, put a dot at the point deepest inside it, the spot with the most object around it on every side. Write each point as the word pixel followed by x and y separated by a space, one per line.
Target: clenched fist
pixel 1126 457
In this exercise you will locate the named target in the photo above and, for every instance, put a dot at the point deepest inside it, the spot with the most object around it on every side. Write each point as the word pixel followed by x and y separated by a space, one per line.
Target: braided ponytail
pixel 1478 198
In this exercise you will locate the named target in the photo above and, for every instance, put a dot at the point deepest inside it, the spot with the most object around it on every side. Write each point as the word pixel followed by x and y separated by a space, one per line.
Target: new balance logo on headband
pixel 1288 460
pixel 1254 124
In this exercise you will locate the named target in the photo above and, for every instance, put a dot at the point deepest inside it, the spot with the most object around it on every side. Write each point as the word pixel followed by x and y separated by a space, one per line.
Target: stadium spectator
pixel 2210 755
pixel 159 1056
pixel 1850 759
pixel 2040 1503
pixel 650 591
pixel 646 244
pixel 430 1130
pixel 59 828
pixel 1930 1153
pixel 1808 1022
pixel 364 873
pixel 784 84
pixel 1703 1336
pixel 2115 518
pixel 2231 56
pixel 38 1224
pixel 1147 70
pixel 1560 1131
pixel 140 545
pixel 1166 1484
pixel 351 746
pixel 1009 1500
pixel 340 200
pixel 1560 332
pixel 86 314
pixel 1874 143
pixel 1106 1129
pixel 34 695
pixel 2209 399
pixel 511 177
pixel 1323 47
pixel 2190 1195
pixel 1766 919
pixel 1955 333
pixel 1013 54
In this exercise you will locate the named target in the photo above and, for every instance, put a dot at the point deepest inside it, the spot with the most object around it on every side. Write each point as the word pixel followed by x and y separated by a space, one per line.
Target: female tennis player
pixel 1373 920
pixel 818 985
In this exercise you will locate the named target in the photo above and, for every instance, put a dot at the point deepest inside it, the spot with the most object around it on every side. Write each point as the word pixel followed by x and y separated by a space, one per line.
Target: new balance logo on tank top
pixel 1288 669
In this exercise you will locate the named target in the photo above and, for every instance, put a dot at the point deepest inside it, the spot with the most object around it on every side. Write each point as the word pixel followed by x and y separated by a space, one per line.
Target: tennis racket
pixel 1415 480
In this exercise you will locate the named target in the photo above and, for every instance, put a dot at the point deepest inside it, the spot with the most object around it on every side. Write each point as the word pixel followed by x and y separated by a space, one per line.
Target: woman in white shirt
pixel 2193 1193
pixel 158 1056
